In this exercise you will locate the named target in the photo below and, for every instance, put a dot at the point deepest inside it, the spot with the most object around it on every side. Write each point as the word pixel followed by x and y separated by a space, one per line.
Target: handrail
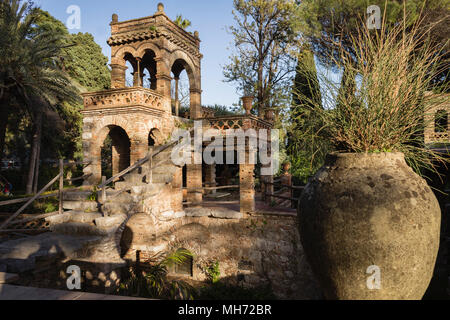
pixel 4 224
pixel 141 162
pixel 29 200
pixel 21 200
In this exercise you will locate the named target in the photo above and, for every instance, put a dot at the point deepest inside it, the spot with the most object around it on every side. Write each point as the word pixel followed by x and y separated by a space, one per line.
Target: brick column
pixel 196 104
pixel 138 150
pixel 91 153
pixel 194 183
pixel 163 77
pixel 210 178
pixel 247 185
pixel 118 76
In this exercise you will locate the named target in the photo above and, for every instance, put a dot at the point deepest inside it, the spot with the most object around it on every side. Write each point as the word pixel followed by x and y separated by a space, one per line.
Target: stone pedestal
pixel 247 187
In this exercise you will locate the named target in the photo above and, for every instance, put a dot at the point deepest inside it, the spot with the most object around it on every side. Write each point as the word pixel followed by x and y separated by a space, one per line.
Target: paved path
pixel 11 292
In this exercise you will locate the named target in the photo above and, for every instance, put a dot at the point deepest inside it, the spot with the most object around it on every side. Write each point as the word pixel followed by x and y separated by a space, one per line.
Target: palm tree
pixel 182 23
pixel 30 72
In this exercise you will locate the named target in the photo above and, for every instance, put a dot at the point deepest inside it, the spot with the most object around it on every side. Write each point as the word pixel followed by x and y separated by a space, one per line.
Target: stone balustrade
pixel 237 122
pixel 124 97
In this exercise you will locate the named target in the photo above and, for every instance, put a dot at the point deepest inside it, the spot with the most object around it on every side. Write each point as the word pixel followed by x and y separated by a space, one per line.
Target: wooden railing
pixel 29 200
pixel 283 187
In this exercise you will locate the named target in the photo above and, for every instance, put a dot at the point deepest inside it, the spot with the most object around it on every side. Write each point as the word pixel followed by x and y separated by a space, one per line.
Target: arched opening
pixel 180 89
pixel 148 67
pixel 155 138
pixel 441 121
pixel 130 63
pixel 115 151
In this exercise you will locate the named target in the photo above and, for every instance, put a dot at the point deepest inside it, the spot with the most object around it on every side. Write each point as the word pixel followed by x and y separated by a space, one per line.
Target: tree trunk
pixel 36 173
pixel 34 151
pixel 4 117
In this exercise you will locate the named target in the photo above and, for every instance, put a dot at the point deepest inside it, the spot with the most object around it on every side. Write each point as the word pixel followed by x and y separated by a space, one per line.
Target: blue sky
pixel 208 17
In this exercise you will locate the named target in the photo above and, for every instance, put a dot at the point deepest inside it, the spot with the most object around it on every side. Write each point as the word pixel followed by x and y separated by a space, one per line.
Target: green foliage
pixel 182 23
pixel 94 194
pixel 220 110
pixel 263 62
pixel 50 207
pixel 329 23
pixel 306 92
pixel 154 282
pixel 213 272
pixel 223 291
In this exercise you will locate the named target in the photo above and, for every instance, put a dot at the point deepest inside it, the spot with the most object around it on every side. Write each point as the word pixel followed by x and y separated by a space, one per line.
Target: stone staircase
pixel 87 231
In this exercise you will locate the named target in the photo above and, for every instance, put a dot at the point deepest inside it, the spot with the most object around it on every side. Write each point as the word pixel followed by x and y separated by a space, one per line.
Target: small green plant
pixel 150 280
pixel 213 272
pixel 94 195
pixel 50 207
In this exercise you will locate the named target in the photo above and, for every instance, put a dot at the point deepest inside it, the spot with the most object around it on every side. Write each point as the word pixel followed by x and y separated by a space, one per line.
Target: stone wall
pixel 137 126
pixel 253 251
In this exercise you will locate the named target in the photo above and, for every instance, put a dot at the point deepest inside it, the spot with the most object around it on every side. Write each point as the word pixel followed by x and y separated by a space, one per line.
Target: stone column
pixel 210 178
pixel 138 150
pixel 118 76
pixel 91 153
pixel 196 103
pixel 247 184
pixel 194 183
pixel 177 101
pixel 163 77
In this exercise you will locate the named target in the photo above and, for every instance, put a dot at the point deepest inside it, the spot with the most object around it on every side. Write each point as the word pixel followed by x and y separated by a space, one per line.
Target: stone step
pixel 117 208
pixel 215 212
pixel 107 223
pixel 79 229
pixel 74 216
pixel 164 178
pixel 77 195
pixel 23 254
pixel 6 278
pixel 83 195
pixel 81 205
pixel 134 178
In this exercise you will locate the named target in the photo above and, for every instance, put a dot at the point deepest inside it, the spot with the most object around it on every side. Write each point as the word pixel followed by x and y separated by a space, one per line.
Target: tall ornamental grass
pixel 384 103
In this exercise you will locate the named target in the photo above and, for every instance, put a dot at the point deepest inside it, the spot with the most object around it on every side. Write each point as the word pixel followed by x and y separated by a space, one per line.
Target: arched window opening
pixel 115 153
pixel 148 67
pixel 180 90
pixel 441 121
pixel 155 138
pixel 129 73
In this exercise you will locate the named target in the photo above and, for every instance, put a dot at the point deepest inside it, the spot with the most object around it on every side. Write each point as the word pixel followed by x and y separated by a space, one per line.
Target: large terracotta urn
pixel 370 227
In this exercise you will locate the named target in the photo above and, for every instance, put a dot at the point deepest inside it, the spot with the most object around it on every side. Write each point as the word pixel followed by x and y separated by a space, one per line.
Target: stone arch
pixel 149 64
pixel 155 137
pixel 189 66
pixel 121 147
pixel 140 51
pixel 180 61
pixel 119 54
